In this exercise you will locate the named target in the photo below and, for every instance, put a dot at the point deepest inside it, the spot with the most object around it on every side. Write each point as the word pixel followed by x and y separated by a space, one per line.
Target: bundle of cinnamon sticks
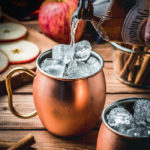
pixel 22 144
pixel 133 68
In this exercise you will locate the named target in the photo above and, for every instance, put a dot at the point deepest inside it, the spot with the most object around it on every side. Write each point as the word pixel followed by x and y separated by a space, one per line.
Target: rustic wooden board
pixel 43 42
pixel 46 141
pixel 24 104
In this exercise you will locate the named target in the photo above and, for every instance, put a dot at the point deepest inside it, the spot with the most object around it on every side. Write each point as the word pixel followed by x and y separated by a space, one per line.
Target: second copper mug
pixel 66 107
pixel 110 139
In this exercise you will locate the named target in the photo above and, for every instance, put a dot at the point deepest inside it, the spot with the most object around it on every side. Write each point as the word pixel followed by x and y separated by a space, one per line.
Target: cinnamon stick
pixel 133 69
pixel 138 61
pixel 23 143
pixel 130 76
pixel 5 144
pixel 134 66
pixel 142 70
pixel 130 62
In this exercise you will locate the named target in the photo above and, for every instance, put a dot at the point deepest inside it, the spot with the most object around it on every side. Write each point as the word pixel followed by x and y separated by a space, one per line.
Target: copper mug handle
pixel 9 91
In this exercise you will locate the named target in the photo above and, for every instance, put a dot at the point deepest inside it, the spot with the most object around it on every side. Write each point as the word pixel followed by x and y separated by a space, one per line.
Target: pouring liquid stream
pixel 74 25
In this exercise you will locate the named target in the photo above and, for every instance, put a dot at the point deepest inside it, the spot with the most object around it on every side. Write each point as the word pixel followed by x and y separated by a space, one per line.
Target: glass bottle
pixel 121 21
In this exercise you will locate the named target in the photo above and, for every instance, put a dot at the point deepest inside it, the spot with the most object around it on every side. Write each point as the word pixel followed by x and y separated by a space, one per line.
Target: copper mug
pixel 66 107
pixel 110 139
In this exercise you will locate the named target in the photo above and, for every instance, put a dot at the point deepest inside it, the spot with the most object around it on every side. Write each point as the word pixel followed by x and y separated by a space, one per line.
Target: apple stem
pixel 59 1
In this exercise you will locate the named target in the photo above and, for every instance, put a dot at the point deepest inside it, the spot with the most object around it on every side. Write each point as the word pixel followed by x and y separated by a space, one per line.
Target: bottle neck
pixel 84 10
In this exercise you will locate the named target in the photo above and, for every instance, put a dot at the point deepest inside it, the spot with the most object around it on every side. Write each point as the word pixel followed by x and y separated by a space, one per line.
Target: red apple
pixel 20 51
pixel 10 31
pixel 3 61
pixel 55 18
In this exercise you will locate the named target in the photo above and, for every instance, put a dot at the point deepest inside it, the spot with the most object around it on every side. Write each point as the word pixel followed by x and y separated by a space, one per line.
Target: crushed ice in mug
pixel 54 67
pixel 71 61
pixel 119 116
pixel 142 112
pixel 77 69
pixel 136 124
pixel 94 64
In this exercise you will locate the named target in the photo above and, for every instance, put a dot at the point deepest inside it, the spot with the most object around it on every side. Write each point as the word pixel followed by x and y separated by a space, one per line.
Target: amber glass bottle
pixel 116 20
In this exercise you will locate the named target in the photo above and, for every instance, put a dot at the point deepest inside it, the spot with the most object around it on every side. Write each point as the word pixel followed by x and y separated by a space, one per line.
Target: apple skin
pixel 16 36
pixel 15 39
pixel 24 61
pixel 4 67
pixel 54 20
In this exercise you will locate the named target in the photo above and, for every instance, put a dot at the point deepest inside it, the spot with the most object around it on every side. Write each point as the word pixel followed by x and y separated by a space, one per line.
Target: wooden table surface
pixel 12 128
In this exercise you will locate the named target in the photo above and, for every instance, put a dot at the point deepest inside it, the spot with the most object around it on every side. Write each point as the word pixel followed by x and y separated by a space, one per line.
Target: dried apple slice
pixel 21 51
pixel 3 61
pixel 10 31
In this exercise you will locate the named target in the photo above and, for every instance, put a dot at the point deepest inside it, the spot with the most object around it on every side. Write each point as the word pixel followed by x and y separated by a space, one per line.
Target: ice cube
pixel 122 128
pixel 142 112
pixel 82 50
pixel 77 69
pixel 53 67
pixel 63 52
pixel 94 64
pixel 148 113
pixel 137 131
pixel 119 117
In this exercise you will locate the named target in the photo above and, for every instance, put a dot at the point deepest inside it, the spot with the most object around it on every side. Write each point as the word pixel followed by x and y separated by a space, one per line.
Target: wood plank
pixel 34 24
pixel 113 84
pixel 24 104
pixel 24 89
pixel 103 49
pixel 46 141
pixel 114 97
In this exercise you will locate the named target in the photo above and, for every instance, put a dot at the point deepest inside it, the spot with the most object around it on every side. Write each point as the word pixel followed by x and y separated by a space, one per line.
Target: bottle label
pixel 134 23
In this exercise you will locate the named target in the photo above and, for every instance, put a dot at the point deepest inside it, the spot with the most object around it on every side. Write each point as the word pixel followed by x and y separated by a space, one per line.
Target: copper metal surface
pixel 69 107
pixel 110 139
